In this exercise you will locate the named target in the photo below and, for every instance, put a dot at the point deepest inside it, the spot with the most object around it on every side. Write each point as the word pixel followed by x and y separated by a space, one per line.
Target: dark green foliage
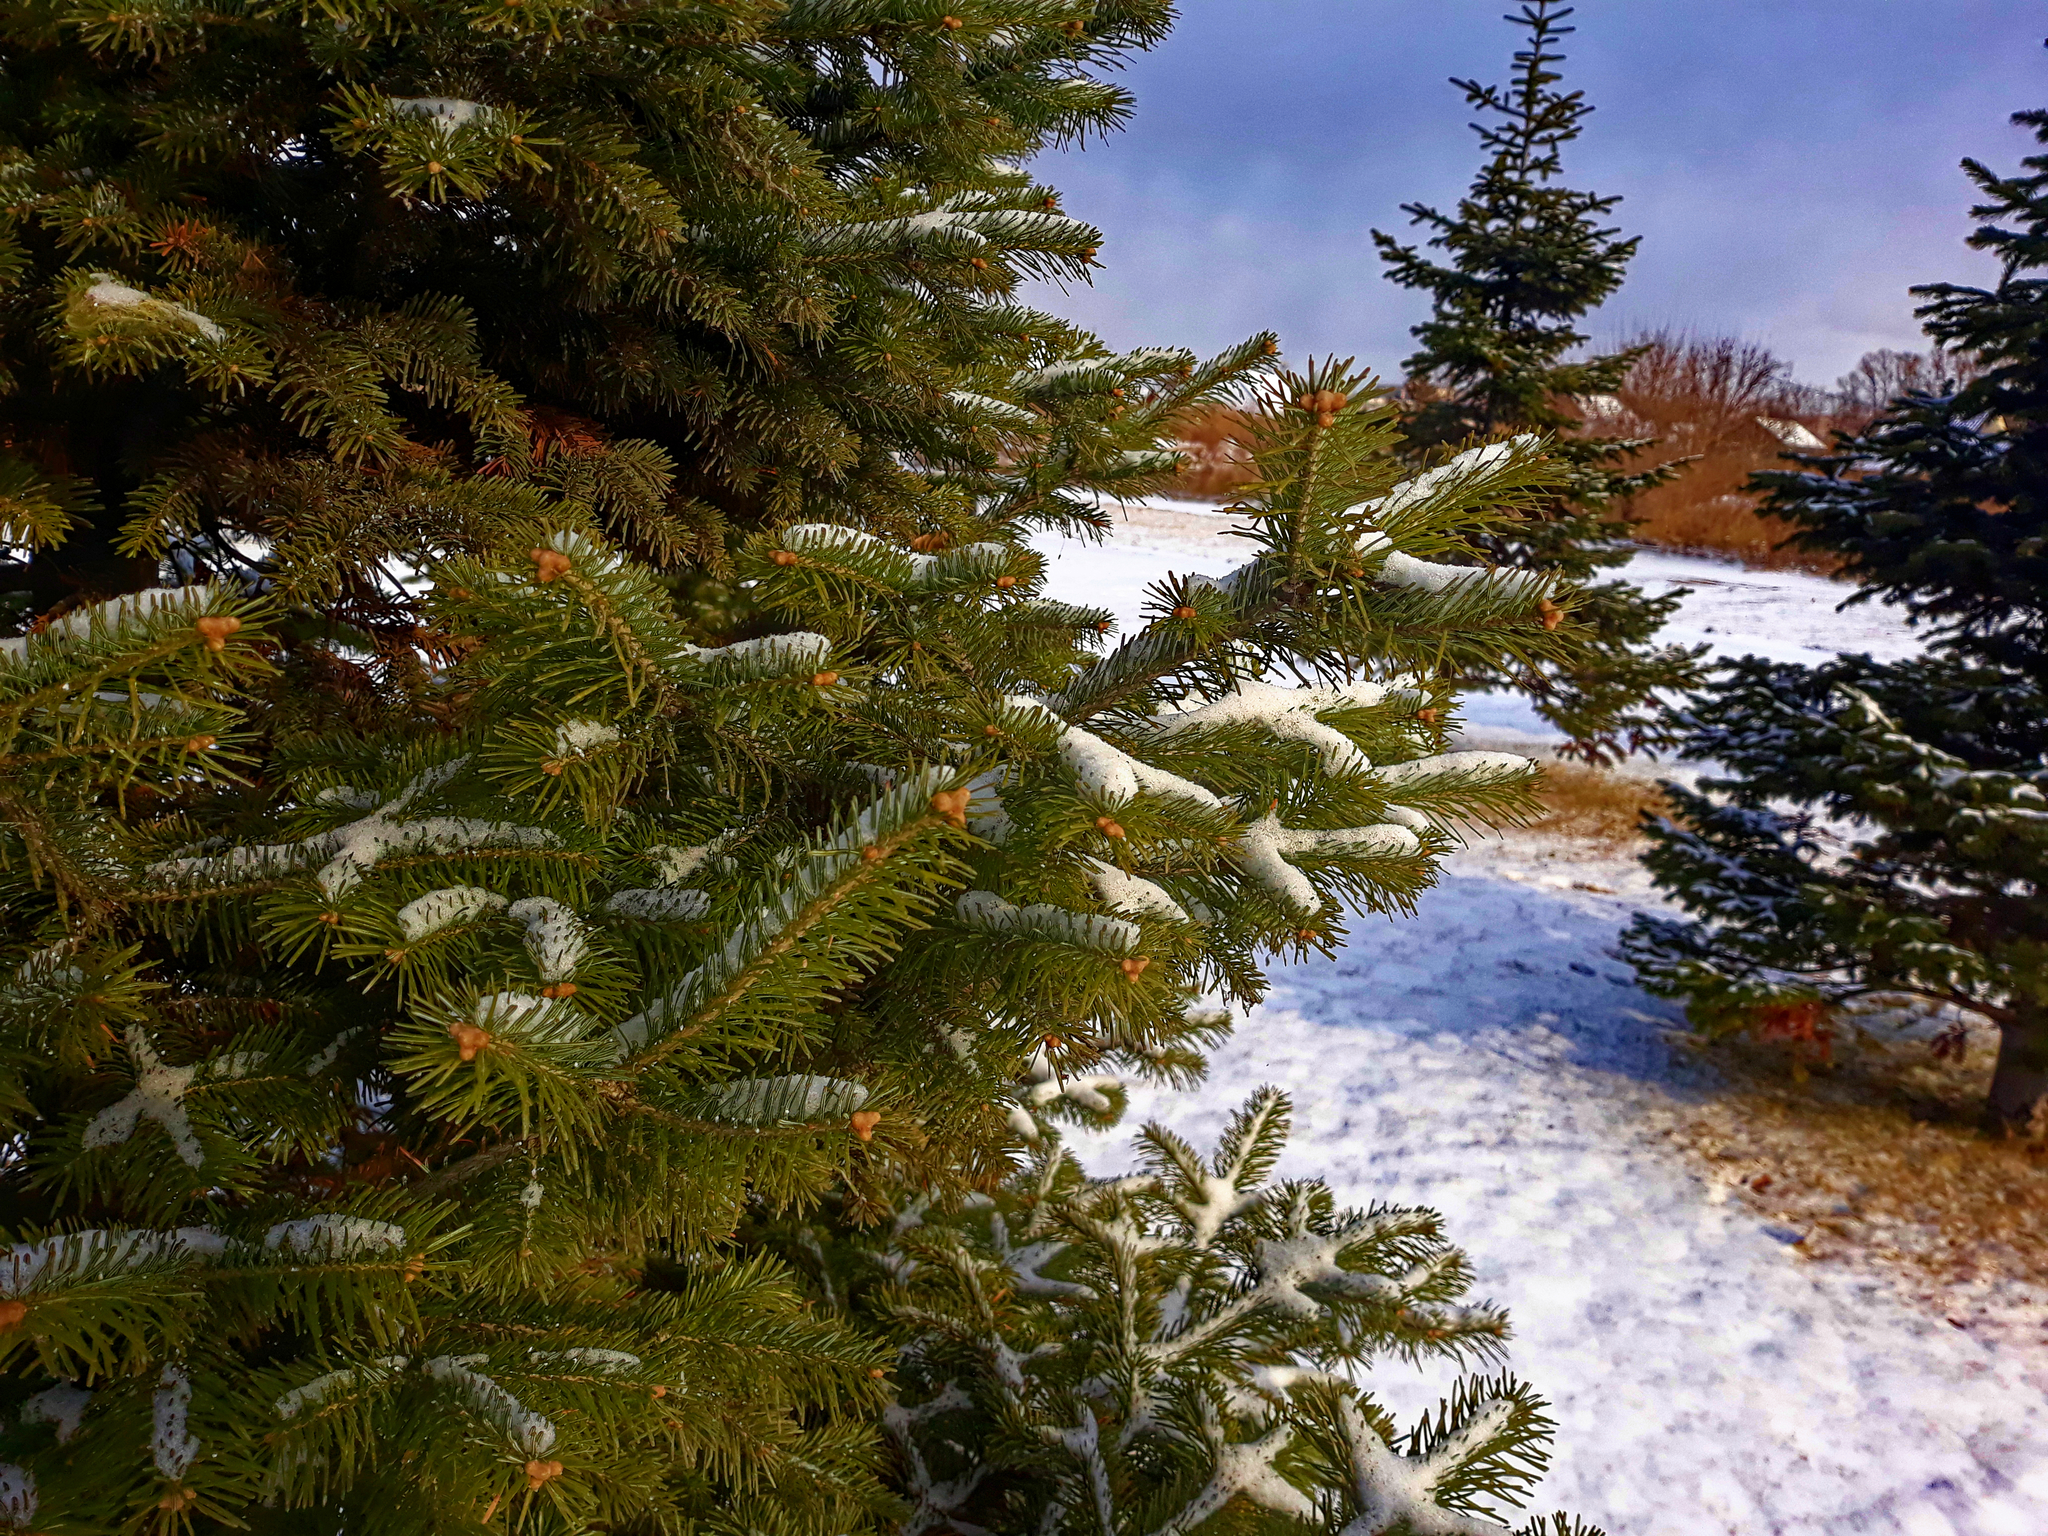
pixel 1928 878
pixel 307 297
pixel 1838 854
pixel 389 1120
pixel 1526 260
pixel 346 1090
pixel 430 960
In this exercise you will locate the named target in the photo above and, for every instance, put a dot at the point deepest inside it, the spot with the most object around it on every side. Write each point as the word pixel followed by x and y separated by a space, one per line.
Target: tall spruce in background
pixel 424 953
pixel 1527 259
pixel 1912 862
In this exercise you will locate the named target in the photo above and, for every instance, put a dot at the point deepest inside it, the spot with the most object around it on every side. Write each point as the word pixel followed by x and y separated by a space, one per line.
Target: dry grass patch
pixel 1732 409
pixel 1876 1160
pixel 1724 524
pixel 1595 805
pixel 1214 444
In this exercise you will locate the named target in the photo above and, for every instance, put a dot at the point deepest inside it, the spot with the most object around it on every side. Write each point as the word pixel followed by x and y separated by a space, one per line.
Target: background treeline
pixel 1730 407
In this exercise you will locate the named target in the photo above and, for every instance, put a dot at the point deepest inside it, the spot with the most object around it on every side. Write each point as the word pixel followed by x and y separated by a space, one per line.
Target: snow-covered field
pixel 1783 615
pixel 1491 1059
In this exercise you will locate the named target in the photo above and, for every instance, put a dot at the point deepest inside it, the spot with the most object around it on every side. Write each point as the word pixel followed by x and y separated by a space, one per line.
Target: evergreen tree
pixel 990 1392
pixel 428 952
pixel 1879 831
pixel 386 1121
pixel 1527 259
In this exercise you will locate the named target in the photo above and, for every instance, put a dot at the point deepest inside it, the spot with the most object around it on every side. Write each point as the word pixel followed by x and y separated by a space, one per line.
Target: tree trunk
pixel 2019 1083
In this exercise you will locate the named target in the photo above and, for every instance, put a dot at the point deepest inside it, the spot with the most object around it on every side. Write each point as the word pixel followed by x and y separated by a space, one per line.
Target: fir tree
pixel 1879 832
pixel 385 1123
pixel 1527 259
pixel 427 949
pixel 1005 1419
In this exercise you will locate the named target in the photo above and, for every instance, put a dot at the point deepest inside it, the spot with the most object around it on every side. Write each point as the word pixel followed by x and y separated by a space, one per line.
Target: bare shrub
pixel 1883 376
pixel 1732 408
pixel 1213 442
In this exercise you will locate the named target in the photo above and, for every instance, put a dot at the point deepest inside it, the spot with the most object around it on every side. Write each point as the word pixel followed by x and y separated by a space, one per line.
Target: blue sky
pixel 1790 164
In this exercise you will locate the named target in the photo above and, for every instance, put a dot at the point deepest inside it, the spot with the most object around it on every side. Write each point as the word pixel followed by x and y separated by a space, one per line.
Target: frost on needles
pixel 1147 1354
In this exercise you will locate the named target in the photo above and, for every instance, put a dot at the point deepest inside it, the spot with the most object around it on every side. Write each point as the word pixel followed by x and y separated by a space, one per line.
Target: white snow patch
pixel 1779 615
pixel 447 113
pixel 111 293
pixel 446 908
pixel 530 1432
pixel 1491 1059
pixel 1108 773
pixel 1126 892
pixel 353 850
pixel 158 1094
pixel 63 1405
pixel 171 1442
pixel 677 864
pixel 580 738
pixel 1795 435
pixel 334 1236
pixel 1044 1084
pixel 555 936
pixel 1289 713
pixel 17 1495
pixel 1262 853
pixel 658 904
pixel 1085 930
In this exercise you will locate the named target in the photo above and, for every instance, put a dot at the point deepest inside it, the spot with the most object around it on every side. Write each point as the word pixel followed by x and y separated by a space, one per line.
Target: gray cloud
pixel 1790 164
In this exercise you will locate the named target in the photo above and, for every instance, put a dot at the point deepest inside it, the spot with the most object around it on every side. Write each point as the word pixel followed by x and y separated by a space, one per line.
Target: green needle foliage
pixel 1526 259
pixel 308 297
pixel 538 750
pixel 1879 833
pixel 1181 727
pixel 386 1123
pixel 1181 1349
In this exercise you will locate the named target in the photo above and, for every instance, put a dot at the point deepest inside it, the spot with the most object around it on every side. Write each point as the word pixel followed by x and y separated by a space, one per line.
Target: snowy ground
pixel 1782 615
pixel 1491 1059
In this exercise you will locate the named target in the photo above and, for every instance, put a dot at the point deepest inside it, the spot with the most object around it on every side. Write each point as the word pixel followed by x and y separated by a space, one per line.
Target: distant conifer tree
pixel 1526 259
pixel 1881 829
